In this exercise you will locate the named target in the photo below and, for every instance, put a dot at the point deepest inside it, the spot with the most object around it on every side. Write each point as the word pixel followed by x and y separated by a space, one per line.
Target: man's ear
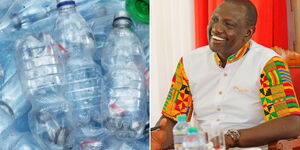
pixel 250 32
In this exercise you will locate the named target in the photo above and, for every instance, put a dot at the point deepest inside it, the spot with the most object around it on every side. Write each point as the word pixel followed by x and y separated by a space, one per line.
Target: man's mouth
pixel 217 38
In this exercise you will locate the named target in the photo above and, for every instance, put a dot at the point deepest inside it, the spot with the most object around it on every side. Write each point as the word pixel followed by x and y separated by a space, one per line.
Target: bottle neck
pixel 181 121
pixel 122 23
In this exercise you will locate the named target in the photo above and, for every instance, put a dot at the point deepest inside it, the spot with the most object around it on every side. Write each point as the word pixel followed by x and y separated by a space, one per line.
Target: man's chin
pixel 214 48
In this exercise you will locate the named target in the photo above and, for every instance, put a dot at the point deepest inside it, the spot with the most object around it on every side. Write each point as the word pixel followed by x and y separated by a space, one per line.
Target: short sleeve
pixel 179 99
pixel 277 91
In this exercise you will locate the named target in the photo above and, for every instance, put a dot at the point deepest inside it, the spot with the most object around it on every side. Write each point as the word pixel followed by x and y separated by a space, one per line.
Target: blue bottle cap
pixel 64 2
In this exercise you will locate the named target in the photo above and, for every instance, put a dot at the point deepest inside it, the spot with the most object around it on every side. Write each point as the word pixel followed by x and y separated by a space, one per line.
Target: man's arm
pixel 281 128
pixel 179 94
pixel 163 137
pixel 280 106
pixel 168 143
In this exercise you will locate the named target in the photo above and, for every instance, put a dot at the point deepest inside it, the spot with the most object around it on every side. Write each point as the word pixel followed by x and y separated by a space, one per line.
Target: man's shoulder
pixel 261 50
pixel 199 51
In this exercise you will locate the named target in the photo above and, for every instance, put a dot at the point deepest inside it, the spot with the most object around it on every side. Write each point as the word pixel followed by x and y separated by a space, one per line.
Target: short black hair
pixel 251 10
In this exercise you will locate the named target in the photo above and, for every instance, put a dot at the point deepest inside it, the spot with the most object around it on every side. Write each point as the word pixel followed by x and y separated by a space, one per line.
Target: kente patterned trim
pixel 238 55
pixel 276 90
pixel 179 100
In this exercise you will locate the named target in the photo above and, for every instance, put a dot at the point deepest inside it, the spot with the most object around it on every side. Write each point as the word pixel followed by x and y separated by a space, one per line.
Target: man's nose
pixel 217 28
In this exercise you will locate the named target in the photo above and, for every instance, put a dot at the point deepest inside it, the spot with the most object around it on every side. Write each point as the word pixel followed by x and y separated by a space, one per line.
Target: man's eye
pixel 214 19
pixel 228 24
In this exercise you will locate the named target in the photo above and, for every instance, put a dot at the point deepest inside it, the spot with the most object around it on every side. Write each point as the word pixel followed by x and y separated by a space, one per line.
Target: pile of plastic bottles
pixel 74 74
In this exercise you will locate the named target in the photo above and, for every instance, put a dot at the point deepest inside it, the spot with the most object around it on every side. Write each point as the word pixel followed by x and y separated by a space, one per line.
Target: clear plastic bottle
pixel 180 131
pixel 122 60
pixel 83 76
pixel 40 69
pixel 193 141
pixel 99 19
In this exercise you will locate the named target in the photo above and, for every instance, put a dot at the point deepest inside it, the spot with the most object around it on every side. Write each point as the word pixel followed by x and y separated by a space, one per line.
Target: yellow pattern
pixel 179 100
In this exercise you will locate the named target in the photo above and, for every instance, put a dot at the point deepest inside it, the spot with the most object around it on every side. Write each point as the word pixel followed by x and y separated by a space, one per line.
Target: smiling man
pixel 233 83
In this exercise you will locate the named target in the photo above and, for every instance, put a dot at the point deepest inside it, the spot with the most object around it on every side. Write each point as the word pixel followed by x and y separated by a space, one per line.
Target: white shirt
pixel 227 97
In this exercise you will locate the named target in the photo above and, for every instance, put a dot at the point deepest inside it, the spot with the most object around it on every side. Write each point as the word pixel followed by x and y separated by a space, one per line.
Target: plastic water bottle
pixel 39 62
pixel 193 141
pixel 99 17
pixel 41 72
pixel 180 131
pixel 14 140
pixel 24 12
pixel 83 76
pixel 139 11
pixel 122 60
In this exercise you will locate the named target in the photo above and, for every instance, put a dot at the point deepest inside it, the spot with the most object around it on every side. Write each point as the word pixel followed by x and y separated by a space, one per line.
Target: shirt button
pixel 220 92
pixel 225 74
pixel 218 109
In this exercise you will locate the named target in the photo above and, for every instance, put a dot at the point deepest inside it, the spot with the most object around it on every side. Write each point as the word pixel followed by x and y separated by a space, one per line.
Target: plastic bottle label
pixel 178 139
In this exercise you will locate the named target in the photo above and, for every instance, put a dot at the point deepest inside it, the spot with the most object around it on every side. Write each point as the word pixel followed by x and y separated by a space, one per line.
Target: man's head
pixel 231 26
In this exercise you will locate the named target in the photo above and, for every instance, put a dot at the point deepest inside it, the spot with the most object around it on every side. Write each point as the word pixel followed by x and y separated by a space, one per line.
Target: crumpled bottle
pixel 40 67
pixel 50 121
pixel 122 60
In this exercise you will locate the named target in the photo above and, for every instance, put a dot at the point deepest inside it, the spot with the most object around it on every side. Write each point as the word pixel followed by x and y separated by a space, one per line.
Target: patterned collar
pixel 234 57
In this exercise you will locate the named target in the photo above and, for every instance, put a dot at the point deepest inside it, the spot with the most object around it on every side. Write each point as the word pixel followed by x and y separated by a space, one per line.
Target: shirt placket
pixel 221 93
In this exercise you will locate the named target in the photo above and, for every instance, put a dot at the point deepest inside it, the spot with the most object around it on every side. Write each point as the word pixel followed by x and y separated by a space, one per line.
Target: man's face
pixel 227 29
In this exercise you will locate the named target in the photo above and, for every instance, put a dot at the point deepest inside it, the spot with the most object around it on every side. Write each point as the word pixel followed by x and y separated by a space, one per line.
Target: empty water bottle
pixel 193 141
pixel 83 76
pixel 122 59
pixel 99 19
pixel 22 13
pixel 40 69
pixel 180 131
